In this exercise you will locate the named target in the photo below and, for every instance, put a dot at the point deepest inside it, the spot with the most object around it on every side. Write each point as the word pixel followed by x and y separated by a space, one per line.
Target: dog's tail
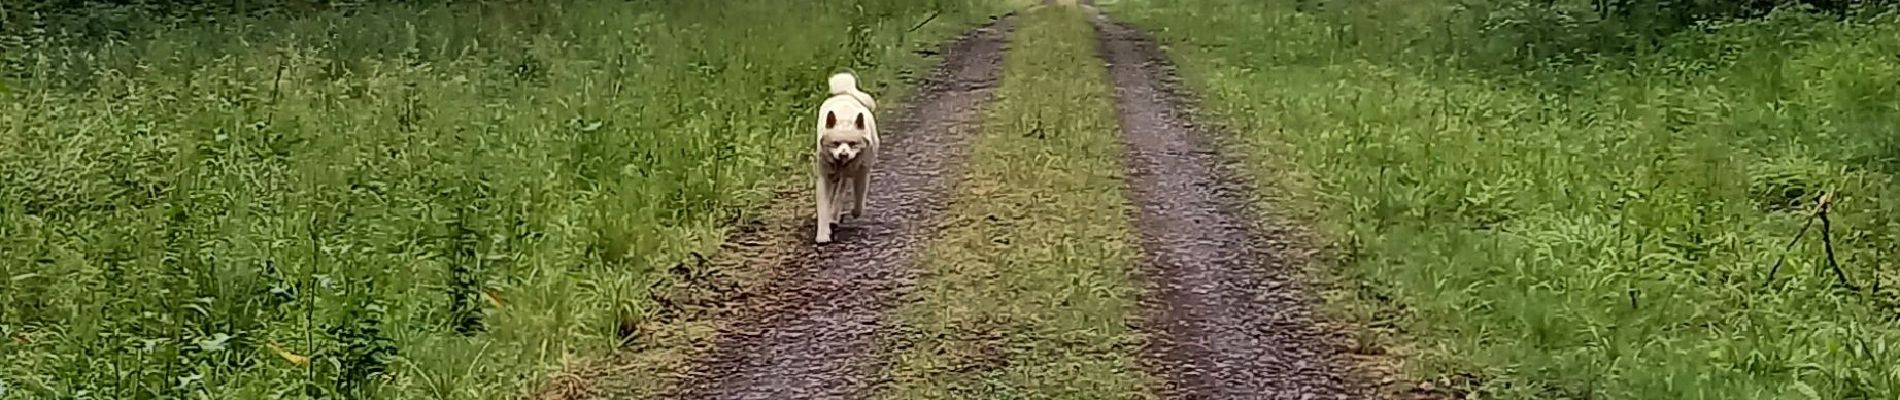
pixel 845 83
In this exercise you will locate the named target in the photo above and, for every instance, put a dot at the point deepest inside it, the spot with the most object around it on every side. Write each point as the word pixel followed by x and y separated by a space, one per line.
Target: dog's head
pixel 843 143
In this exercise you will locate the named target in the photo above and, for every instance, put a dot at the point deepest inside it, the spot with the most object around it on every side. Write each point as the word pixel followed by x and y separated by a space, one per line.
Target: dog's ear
pixel 859 122
pixel 831 120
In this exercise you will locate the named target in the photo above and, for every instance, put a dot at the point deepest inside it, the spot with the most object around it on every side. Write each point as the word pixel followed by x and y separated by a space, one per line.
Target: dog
pixel 847 148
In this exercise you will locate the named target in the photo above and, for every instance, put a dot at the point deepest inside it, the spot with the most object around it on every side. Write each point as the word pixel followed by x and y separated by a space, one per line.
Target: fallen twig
pixel 276 85
pixel 1827 242
pixel 1785 249
pixel 920 25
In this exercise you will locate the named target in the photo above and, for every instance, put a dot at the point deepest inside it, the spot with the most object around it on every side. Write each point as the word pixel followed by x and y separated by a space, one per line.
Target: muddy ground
pixel 1225 313
pixel 812 333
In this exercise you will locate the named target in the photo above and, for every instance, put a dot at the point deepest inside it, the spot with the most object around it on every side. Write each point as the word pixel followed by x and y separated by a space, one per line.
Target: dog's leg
pixel 825 213
pixel 861 183
pixel 838 198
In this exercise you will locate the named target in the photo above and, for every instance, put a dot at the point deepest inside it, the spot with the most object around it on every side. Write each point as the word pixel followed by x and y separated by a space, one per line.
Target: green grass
pixel 428 201
pixel 1589 230
pixel 1027 293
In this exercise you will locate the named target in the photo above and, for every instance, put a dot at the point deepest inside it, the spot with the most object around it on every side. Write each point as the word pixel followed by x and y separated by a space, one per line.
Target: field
pixel 1603 228
pixel 403 201
pixel 580 199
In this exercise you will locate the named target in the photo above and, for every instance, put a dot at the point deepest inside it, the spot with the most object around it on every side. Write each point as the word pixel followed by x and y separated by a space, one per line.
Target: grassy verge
pixel 405 202
pixel 1580 231
pixel 1027 294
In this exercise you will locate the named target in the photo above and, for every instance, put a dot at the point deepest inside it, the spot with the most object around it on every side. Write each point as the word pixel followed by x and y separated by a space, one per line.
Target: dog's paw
pixel 824 238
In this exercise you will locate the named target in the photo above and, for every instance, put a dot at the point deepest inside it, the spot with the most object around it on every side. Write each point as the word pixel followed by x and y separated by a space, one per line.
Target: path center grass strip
pixel 1027 294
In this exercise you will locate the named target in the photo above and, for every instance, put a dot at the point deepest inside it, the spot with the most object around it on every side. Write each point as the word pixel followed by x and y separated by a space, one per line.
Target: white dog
pixel 847 146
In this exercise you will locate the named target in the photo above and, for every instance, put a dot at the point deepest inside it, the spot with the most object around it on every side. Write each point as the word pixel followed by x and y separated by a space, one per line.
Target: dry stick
pixel 276 85
pixel 1820 212
pixel 310 306
pixel 1785 249
pixel 920 25
pixel 1875 275
pixel 277 82
pixel 1827 241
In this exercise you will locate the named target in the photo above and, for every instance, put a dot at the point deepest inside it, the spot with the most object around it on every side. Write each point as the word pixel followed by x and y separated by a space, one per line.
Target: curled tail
pixel 844 83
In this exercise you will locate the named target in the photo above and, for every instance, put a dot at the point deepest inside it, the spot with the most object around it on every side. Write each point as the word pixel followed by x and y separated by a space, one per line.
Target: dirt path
pixel 1225 314
pixel 811 334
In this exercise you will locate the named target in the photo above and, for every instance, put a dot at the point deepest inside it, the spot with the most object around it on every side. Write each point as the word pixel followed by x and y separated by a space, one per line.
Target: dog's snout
pixel 841 153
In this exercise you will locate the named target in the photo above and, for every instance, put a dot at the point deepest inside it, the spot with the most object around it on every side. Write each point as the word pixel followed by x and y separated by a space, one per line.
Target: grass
pixel 1027 293
pixel 1600 229
pixel 430 201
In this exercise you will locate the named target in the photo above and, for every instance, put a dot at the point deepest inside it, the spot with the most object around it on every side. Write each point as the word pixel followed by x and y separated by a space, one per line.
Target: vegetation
pixel 1519 32
pixel 1596 227
pixel 1027 294
pixel 450 199
pixel 392 200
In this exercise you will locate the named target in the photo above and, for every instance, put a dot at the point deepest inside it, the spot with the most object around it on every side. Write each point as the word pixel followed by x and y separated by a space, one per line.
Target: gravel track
pixel 811 335
pixel 1224 311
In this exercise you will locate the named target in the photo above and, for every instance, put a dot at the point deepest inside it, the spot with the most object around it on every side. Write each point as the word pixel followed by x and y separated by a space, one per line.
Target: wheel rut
pixel 811 334
pixel 1224 311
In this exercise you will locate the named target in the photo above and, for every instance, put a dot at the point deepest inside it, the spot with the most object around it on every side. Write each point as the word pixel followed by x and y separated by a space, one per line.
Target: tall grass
pixel 432 201
pixel 1581 230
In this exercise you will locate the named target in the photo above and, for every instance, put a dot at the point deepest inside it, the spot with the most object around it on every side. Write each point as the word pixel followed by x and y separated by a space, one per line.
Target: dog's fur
pixel 847 147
